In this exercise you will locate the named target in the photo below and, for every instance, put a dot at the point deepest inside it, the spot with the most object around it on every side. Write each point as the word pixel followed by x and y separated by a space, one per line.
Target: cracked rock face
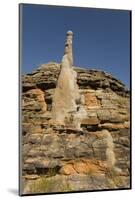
pixel 48 146
pixel 69 149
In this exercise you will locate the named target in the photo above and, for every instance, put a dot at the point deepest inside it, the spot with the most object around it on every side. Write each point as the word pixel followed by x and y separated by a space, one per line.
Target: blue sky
pixel 101 38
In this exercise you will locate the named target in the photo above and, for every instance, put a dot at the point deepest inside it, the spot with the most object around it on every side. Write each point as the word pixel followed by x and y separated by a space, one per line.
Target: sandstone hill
pixel 58 158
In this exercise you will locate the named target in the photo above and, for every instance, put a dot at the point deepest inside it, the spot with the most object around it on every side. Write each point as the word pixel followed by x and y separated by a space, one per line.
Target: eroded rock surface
pixel 59 157
pixel 48 146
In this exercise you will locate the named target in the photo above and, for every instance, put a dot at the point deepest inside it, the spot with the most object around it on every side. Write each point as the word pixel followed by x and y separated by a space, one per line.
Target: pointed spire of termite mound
pixel 68 47
pixel 67 105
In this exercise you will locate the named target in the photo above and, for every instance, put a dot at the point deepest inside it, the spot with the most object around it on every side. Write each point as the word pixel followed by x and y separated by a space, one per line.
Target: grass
pixel 46 185
pixel 114 180
pixel 52 172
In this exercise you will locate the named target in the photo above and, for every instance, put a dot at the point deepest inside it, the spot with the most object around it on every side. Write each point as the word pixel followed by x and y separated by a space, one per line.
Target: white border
pixel 9 94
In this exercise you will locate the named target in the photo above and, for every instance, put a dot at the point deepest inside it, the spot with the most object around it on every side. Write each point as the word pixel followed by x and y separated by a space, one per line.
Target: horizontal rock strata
pixel 78 159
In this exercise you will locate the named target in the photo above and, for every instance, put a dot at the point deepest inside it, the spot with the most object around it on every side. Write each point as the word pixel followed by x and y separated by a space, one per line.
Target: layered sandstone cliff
pixel 58 157
pixel 75 129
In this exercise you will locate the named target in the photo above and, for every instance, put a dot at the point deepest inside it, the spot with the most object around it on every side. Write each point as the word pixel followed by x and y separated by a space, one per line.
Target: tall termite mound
pixel 67 107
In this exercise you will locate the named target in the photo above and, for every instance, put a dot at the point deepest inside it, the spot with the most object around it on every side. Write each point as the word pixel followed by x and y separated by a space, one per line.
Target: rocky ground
pixel 58 158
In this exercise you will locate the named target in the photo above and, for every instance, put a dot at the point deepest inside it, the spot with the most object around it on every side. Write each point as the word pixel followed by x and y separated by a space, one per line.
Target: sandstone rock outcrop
pixel 59 157
pixel 50 147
